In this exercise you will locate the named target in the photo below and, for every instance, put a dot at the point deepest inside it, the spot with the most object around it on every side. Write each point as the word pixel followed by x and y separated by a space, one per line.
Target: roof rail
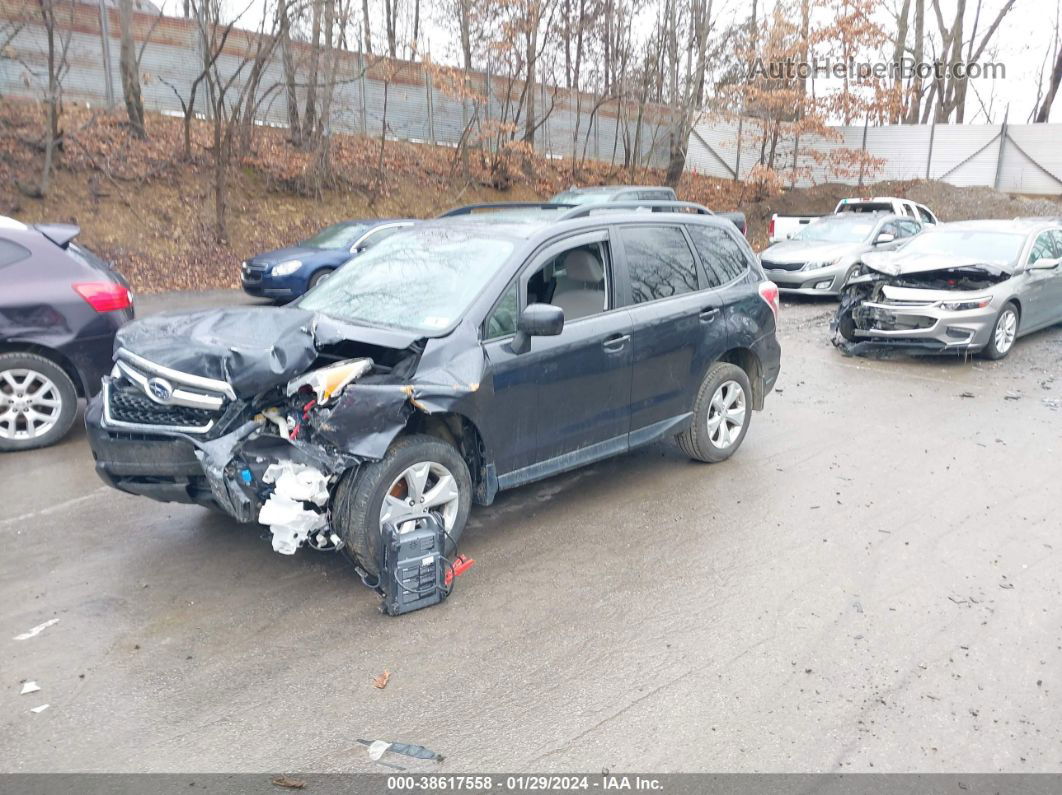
pixel 655 206
pixel 468 209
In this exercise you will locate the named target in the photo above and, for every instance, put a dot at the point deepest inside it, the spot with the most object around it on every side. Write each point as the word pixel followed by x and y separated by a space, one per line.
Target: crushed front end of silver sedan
pixel 946 308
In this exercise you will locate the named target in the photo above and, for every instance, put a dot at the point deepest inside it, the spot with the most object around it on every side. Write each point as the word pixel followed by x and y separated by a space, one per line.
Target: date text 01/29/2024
pixel 516 783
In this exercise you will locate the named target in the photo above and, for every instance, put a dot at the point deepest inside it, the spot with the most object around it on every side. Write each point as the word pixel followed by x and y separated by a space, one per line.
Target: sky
pixel 1023 40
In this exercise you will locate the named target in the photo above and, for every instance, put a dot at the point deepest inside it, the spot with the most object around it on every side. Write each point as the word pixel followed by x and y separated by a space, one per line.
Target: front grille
pixel 142 395
pixel 128 404
pixel 782 266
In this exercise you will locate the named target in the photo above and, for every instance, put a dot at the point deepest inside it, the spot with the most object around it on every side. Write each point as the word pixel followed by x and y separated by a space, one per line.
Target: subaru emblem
pixel 159 390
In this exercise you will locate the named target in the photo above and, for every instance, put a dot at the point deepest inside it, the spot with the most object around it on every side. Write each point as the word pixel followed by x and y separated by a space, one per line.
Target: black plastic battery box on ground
pixel 414 566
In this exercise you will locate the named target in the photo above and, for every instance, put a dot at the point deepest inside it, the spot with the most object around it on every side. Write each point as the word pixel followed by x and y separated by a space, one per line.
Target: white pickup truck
pixel 783 227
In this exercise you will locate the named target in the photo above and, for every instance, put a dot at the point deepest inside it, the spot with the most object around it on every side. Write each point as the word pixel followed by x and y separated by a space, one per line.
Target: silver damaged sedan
pixel 961 287
pixel 820 258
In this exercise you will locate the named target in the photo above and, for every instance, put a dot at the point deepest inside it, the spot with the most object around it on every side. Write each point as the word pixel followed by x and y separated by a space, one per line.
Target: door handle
pixel 616 343
pixel 709 314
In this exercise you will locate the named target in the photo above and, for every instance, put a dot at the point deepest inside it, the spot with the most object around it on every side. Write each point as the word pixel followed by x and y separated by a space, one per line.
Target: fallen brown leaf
pixel 381 680
pixel 288 783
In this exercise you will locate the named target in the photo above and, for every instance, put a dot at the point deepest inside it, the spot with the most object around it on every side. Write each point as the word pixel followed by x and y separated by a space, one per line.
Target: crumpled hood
pixel 899 263
pixel 790 251
pixel 250 347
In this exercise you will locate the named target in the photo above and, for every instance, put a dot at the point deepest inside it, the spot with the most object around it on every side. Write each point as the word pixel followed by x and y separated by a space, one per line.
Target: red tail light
pixel 104 296
pixel 769 293
pixel 770 228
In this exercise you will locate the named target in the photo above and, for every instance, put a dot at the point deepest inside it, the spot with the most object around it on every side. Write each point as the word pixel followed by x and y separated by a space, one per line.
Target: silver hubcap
pixel 726 414
pixel 29 404
pixel 427 486
pixel 1006 330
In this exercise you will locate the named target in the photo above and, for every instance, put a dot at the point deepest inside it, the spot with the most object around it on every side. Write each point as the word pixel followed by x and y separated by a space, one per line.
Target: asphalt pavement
pixel 871 584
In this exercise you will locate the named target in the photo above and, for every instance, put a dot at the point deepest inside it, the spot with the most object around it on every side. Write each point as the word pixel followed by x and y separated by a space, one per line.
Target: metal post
pixel 363 85
pixel 431 114
pixel 929 156
pixel 737 160
pixel 863 150
pixel 1002 146
pixel 105 43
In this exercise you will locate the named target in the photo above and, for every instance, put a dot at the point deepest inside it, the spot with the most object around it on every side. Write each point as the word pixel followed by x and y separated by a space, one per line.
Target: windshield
pixel 581 197
pixel 836 231
pixel 1003 247
pixel 422 280
pixel 337 236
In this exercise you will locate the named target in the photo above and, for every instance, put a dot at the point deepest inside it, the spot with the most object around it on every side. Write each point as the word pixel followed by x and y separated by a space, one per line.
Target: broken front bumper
pixel 161 467
pixel 927 327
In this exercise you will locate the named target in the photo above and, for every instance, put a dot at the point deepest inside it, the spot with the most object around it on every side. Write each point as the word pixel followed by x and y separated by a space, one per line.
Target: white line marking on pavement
pixel 53 508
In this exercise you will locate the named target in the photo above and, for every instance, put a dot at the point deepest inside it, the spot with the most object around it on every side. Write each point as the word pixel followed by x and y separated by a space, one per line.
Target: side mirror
pixel 884 238
pixel 1045 264
pixel 537 320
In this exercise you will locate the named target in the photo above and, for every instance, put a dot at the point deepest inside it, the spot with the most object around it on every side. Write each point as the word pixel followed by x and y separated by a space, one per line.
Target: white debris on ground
pixel 40 709
pixel 37 630
pixel 28 687
pixel 286 512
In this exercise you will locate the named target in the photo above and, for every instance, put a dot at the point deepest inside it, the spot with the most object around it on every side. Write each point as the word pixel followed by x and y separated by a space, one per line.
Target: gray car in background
pixel 820 258
pixel 961 287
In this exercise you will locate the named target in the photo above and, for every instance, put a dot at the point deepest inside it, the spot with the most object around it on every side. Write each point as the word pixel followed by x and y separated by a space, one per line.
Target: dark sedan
pixel 289 272
pixel 59 310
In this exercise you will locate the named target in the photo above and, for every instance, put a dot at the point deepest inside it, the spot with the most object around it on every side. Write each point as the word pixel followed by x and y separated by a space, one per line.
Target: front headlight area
pixel 820 264
pixel 980 302
pixel 287 267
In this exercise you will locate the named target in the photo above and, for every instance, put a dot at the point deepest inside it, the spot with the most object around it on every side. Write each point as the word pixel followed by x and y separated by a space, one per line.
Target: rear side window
pixel 660 262
pixel 723 258
pixel 927 217
pixel 11 252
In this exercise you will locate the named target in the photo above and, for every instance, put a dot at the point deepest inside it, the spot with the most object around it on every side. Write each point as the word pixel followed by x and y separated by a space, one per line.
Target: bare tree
pixel 57 42
pixel 1043 108
pixel 129 66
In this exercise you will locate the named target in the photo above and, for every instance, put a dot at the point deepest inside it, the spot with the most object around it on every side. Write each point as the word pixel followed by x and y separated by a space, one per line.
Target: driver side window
pixel 1042 248
pixel 575 280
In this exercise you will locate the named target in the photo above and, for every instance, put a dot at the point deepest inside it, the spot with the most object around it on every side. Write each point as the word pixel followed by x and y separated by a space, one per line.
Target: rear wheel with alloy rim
pixel 38 401
pixel 721 415
pixel 1004 333
pixel 420 475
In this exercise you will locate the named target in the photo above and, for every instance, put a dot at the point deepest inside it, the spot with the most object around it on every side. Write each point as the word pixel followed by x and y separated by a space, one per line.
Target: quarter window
pixel 927 217
pixel 503 319
pixel 660 262
pixel 721 256
pixel 11 252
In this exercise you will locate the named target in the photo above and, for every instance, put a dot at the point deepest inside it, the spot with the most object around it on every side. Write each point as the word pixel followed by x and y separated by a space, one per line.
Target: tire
pixel 359 500
pixel 26 423
pixel 1000 343
pixel 696 441
pixel 318 277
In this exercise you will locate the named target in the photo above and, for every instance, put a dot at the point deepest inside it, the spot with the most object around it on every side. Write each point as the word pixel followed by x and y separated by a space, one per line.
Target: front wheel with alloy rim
pixel 38 401
pixel 721 415
pixel 419 475
pixel 1004 333
pixel 319 277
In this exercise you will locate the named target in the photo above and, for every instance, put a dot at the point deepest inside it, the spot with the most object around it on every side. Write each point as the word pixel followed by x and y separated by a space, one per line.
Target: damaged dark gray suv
pixel 463 356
